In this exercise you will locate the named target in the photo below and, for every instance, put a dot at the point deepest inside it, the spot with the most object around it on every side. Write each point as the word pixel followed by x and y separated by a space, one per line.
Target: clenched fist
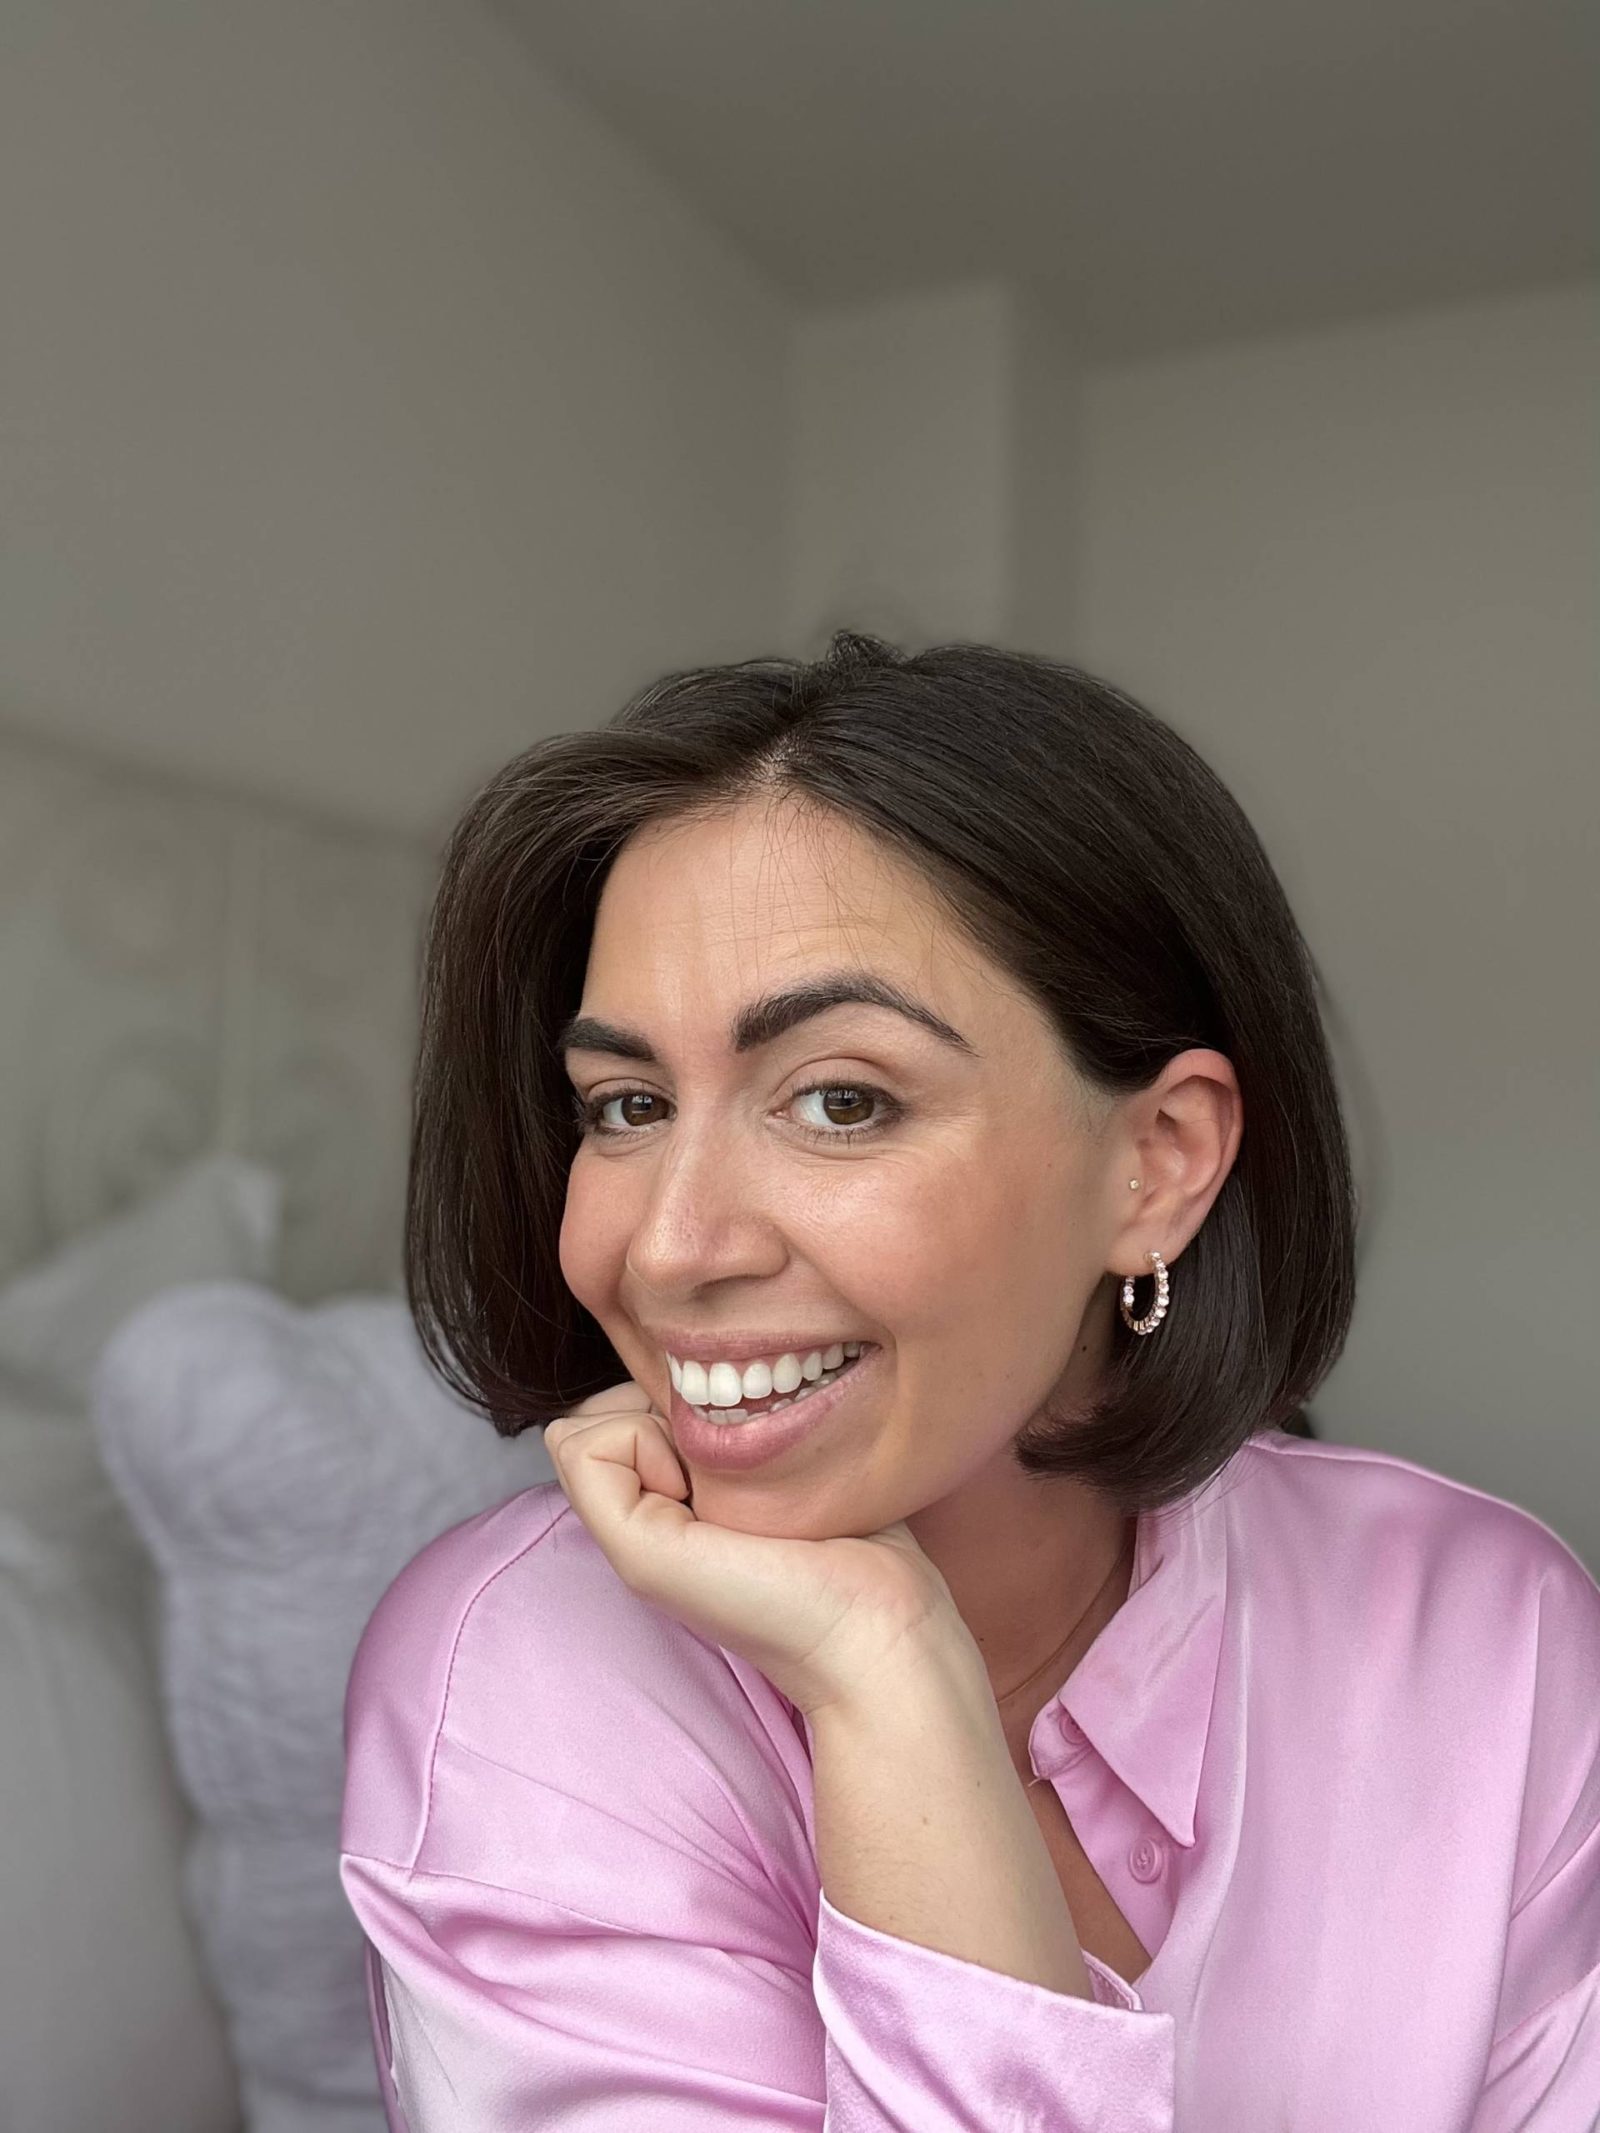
pixel 820 1618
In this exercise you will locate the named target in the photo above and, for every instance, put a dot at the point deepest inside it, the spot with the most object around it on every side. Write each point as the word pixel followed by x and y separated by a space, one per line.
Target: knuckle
pixel 625 1397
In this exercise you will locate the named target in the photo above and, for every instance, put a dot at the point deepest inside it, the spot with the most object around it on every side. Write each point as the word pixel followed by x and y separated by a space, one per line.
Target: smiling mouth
pixel 749 1410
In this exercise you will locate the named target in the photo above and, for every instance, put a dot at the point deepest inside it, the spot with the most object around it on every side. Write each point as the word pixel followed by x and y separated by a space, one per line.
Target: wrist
pixel 935 1670
pixel 923 1830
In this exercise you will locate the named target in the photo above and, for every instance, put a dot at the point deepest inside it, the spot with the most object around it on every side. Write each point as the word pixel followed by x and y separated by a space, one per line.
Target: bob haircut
pixel 1075 838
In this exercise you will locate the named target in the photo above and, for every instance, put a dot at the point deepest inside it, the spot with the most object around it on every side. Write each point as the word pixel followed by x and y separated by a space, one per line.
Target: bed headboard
pixel 184 969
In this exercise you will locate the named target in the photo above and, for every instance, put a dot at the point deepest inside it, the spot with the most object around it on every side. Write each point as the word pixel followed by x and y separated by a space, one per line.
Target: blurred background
pixel 385 383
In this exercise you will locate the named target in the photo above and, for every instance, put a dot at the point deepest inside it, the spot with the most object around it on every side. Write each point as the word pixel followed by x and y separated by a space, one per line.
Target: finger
pixel 609 1462
pixel 622 1478
pixel 628 1397
pixel 625 1398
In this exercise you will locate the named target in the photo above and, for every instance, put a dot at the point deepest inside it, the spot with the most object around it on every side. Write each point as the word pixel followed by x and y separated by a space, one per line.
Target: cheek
pixel 993 1277
pixel 593 1240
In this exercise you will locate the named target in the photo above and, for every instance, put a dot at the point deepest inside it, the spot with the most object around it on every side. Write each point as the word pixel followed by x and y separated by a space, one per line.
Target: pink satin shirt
pixel 1336 1759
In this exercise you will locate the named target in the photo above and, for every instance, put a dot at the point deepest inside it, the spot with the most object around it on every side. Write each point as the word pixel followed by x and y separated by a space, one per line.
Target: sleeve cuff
pixel 918 2037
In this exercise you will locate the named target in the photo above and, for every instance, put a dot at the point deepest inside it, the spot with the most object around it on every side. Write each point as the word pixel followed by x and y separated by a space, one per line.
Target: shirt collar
pixel 1142 1693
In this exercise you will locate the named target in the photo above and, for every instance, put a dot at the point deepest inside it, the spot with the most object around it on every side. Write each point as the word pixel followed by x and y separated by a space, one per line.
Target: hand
pixel 818 1617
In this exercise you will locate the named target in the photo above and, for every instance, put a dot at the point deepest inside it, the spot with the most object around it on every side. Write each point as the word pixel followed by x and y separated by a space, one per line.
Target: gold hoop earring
pixel 1158 1310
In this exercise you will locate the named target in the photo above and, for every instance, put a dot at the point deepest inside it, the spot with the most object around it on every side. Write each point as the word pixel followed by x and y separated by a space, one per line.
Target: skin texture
pixel 980 1237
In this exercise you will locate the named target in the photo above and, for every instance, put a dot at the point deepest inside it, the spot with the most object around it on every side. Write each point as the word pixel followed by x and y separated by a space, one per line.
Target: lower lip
pixel 732 1446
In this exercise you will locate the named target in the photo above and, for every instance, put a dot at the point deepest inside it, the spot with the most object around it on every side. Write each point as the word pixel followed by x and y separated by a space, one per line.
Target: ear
pixel 1182 1137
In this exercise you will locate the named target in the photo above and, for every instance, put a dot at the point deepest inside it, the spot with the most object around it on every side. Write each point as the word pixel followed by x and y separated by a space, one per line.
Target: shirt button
pixel 1146 1860
pixel 1071 1735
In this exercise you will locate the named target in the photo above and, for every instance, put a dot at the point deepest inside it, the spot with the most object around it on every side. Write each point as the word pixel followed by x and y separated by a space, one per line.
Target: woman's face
pixel 966 1234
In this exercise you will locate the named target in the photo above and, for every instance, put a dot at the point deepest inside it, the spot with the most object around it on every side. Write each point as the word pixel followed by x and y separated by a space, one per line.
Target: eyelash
pixel 587 1114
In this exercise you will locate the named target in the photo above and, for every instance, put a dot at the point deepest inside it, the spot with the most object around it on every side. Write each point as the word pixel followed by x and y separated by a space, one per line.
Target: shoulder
pixel 1468 1606
pixel 1346 1509
pixel 510 1695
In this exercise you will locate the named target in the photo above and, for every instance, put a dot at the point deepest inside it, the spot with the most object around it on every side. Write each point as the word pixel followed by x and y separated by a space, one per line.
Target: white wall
pixel 933 470
pixel 1357 570
pixel 369 409
pixel 899 475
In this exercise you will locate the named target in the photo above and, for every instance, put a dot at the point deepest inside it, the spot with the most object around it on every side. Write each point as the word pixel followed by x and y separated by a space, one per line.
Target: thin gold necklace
pixel 1122 1554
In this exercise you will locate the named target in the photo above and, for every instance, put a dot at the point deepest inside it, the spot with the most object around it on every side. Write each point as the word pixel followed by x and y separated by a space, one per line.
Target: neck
pixel 1029 1561
pixel 1030 1557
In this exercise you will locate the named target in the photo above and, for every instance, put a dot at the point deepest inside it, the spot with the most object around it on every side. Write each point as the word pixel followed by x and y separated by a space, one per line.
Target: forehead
pixel 768 884
pixel 701 921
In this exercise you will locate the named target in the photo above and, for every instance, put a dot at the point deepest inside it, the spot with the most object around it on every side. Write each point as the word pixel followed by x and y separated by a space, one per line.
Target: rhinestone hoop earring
pixel 1158 1310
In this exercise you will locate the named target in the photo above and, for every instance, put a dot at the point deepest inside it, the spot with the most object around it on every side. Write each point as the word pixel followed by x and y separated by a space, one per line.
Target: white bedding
pixel 282 1465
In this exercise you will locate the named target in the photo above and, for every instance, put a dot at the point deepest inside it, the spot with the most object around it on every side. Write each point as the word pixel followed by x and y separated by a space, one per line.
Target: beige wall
pixel 369 409
pixel 1357 570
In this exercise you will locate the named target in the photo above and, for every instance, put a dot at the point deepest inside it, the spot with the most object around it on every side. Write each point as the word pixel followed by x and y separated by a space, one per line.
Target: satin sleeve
pixel 494 2011
pixel 923 2042
pixel 1544 2064
pixel 1546 2071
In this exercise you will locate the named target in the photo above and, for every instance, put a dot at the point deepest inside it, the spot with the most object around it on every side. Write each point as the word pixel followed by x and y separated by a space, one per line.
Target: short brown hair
pixel 1083 845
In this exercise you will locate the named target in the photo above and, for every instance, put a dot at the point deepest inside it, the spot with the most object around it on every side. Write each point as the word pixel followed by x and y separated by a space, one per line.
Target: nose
pixel 708 1213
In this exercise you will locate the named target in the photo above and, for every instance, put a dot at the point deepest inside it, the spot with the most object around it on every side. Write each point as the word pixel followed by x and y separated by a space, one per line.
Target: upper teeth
pixel 725 1384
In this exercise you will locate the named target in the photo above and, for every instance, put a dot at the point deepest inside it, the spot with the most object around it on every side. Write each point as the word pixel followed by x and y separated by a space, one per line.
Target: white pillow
pixel 218 1219
pixel 106 2017
pixel 283 1464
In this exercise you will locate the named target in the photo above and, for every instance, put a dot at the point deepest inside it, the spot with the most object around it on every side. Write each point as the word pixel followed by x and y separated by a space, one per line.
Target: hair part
pixel 1080 844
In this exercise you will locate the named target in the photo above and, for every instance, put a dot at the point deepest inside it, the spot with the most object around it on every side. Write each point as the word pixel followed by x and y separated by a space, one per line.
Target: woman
pixel 875 1116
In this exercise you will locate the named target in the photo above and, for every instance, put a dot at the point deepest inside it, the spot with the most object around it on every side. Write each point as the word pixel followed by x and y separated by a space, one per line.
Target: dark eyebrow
pixel 771 1017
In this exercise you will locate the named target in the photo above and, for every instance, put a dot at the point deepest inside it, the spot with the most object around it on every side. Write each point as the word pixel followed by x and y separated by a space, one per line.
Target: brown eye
pixel 858 1101
pixel 858 1097
pixel 588 1115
